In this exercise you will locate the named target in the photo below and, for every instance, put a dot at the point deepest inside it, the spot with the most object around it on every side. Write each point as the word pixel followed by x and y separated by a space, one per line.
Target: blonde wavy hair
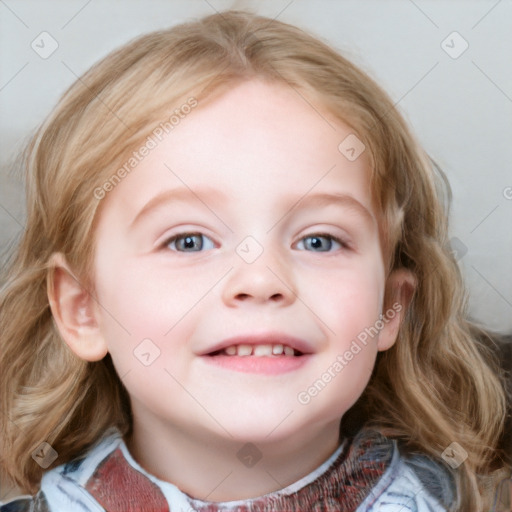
pixel 438 383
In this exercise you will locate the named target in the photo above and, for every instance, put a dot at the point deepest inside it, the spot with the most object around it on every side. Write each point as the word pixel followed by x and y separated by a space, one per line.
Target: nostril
pixel 276 297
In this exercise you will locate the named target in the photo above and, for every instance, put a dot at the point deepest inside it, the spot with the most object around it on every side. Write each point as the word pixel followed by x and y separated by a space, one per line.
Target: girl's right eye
pixel 189 242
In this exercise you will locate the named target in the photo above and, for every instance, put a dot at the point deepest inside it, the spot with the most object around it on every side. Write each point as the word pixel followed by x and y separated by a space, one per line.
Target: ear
pixel 75 311
pixel 400 287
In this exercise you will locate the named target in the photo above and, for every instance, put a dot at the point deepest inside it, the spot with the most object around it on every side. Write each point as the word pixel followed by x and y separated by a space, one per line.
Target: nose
pixel 265 281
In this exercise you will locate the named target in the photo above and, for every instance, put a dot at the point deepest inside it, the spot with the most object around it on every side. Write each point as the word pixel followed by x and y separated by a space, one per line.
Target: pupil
pixel 316 242
pixel 320 243
pixel 189 242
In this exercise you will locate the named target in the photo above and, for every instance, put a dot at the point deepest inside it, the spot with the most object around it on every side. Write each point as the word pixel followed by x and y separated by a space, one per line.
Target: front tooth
pixel 277 349
pixel 244 350
pixel 231 351
pixel 262 350
pixel 288 351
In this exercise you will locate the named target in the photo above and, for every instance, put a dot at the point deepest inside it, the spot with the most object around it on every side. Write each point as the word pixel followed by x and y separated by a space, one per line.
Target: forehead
pixel 254 142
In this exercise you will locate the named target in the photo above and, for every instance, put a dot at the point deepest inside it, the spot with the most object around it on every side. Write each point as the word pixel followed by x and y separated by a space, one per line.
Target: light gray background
pixel 460 108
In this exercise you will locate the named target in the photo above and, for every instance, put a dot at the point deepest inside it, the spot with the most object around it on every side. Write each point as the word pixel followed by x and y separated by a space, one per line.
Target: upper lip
pixel 270 338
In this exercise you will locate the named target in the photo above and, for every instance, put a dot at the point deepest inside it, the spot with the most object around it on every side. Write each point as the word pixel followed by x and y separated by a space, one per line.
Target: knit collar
pixel 341 483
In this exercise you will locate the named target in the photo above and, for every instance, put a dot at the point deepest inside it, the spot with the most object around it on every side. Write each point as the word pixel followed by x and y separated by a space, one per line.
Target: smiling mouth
pixel 266 353
pixel 258 358
pixel 261 350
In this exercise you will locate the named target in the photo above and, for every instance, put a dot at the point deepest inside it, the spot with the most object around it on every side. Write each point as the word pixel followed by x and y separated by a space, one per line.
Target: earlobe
pixel 74 311
pixel 400 288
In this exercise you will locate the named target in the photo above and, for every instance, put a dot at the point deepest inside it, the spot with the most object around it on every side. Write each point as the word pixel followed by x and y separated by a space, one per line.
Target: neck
pixel 212 468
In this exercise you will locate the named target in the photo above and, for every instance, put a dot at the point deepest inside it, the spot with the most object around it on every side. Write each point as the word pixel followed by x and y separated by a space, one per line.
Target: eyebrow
pixel 325 199
pixel 180 194
pixel 309 201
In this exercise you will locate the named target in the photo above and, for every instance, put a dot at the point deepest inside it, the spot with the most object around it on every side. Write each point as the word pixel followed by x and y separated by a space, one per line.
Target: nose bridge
pixel 260 274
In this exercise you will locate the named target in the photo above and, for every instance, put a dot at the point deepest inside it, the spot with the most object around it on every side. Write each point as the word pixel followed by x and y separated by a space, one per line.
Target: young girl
pixel 235 292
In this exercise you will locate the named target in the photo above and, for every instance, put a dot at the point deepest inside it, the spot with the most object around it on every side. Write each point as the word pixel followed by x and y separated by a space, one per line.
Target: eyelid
pixel 170 228
pixel 337 245
pixel 344 241
pixel 164 241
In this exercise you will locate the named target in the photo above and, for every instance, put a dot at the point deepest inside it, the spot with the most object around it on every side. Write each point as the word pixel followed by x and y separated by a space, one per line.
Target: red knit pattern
pixel 118 487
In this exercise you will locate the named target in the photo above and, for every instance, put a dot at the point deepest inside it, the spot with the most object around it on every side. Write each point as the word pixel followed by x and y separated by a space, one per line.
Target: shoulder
pixel 22 504
pixel 35 503
pixel 80 469
pixel 435 478
pixel 412 483
pixel 62 488
pixel 65 487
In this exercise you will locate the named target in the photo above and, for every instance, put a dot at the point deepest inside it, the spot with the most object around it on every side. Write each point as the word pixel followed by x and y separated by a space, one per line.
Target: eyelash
pixel 344 245
pixel 169 241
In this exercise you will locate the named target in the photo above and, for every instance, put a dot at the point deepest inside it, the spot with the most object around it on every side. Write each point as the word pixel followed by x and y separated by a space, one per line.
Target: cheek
pixel 145 311
pixel 346 300
pixel 140 299
pixel 341 377
pixel 128 313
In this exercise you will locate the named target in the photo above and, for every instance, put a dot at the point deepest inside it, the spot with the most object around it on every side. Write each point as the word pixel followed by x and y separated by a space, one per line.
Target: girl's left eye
pixel 190 242
pixel 321 243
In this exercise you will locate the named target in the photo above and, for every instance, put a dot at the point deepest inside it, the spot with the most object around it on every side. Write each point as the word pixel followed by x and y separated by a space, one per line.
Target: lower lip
pixel 267 365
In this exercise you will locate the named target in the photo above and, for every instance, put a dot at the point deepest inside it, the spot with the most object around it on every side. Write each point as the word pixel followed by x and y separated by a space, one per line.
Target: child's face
pixel 221 237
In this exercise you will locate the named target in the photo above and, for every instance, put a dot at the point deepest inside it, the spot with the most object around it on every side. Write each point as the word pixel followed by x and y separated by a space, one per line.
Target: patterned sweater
pixel 365 474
